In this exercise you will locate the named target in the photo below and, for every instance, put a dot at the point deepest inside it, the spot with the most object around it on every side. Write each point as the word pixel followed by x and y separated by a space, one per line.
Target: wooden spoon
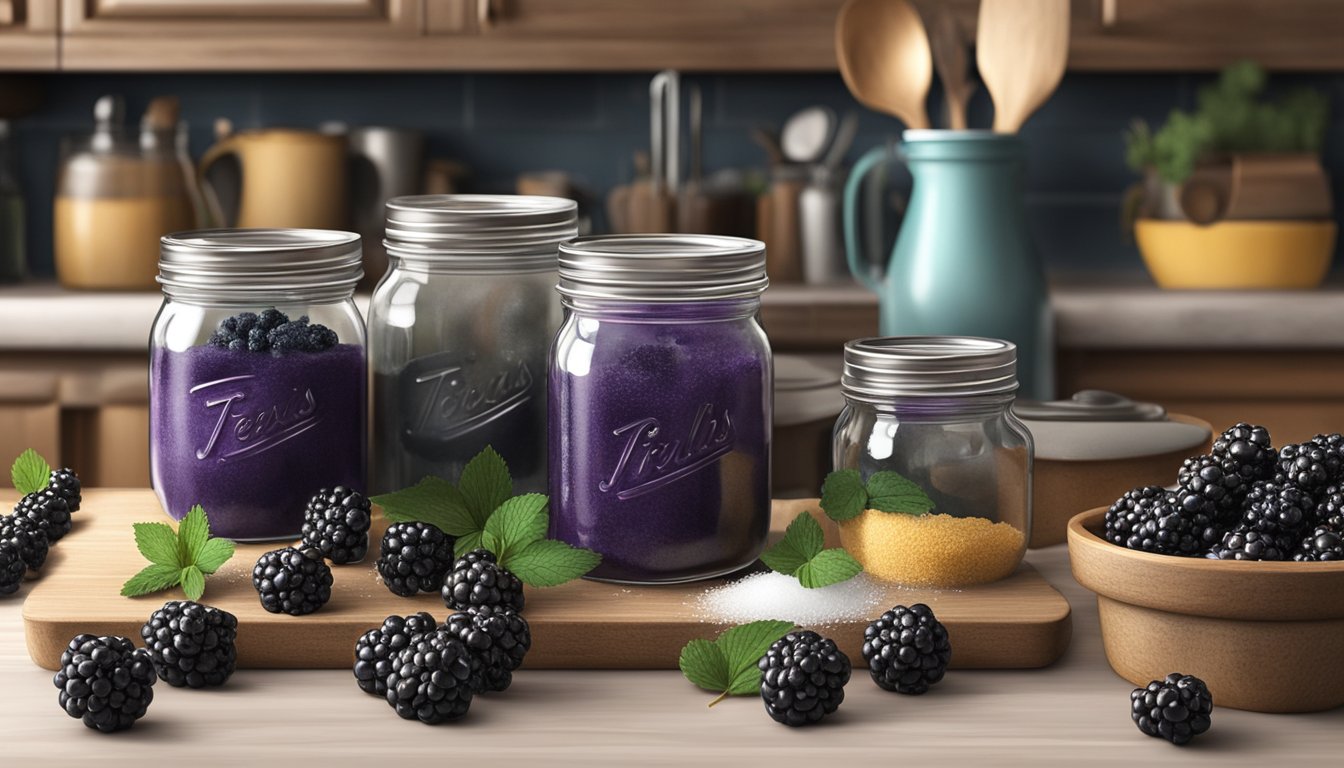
pixel 884 58
pixel 1021 47
pixel 950 59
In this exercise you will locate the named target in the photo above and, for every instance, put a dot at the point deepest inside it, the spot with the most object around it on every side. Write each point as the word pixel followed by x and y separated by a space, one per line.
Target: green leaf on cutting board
pixel 185 556
pixel 843 496
pixel 517 523
pixel 889 492
pixel 727 664
pixel 549 563
pixel 433 500
pixel 829 566
pixel 30 472
pixel 802 553
pixel 485 484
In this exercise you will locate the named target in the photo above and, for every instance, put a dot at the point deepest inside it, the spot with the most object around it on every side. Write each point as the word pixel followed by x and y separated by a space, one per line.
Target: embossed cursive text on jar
pixel 253 430
pixel 648 462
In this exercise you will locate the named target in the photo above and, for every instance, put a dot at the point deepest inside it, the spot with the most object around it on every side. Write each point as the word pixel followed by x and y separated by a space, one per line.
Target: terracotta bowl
pixel 1267 637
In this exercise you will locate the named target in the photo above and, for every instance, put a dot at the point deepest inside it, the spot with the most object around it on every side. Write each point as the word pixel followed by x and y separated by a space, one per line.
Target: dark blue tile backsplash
pixel 590 125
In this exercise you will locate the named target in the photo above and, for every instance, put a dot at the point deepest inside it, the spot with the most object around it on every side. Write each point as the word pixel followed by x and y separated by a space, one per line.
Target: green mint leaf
pixel 485 484
pixel 158 543
pixel 515 524
pixel 30 472
pixel 803 539
pixel 830 566
pixel 433 500
pixel 703 663
pixel 152 578
pixel 192 533
pixel 843 496
pixel 889 492
pixel 549 563
pixel 193 582
pixel 743 646
pixel 467 542
pixel 214 554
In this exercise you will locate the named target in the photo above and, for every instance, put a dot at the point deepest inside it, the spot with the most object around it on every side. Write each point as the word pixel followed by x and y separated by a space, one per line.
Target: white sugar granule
pixel 773 595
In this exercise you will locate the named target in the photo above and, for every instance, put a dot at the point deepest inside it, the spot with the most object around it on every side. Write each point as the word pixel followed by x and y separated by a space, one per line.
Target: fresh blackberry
pixel 106 681
pixel 1151 519
pixel 271 331
pixel 48 510
pixel 1277 510
pixel 415 556
pixel 803 678
pixel 1176 709
pixel 907 649
pixel 336 523
pixel 292 581
pixel 1211 485
pixel 1330 507
pixel 375 649
pixel 192 645
pixel 301 336
pixel 28 537
pixel 499 639
pixel 1312 465
pixel 430 681
pixel 12 568
pixel 1248 448
pixel 1324 544
pixel 1243 544
pixel 478 580
pixel 65 483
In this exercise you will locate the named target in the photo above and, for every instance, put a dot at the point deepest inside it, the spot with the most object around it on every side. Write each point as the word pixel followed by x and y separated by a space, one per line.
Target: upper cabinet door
pixel 28 35
pixel 235 34
pixel 653 34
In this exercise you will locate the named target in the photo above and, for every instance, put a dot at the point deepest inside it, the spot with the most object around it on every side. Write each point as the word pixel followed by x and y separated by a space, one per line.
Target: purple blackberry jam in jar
pixel 258 384
pixel 660 406
pixel 459 328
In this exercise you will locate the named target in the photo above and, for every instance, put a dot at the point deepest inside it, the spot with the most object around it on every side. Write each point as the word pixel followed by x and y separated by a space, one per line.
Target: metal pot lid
pixel 1094 425
pixel 805 391
pixel 662 268
pixel 1090 405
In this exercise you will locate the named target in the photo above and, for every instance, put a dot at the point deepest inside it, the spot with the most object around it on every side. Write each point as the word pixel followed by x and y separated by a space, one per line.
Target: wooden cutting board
pixel 1020 622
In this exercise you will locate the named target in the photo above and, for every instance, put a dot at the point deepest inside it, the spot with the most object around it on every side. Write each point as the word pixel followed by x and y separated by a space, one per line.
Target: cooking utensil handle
pixel 867 274
pixel 225 146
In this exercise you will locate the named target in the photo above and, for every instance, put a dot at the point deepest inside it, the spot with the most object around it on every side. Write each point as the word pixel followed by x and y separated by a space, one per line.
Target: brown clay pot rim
pixel 1246 591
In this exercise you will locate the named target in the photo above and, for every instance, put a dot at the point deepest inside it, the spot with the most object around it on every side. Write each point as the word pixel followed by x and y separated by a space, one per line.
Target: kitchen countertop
pixel 1072 713
pixel 1120 315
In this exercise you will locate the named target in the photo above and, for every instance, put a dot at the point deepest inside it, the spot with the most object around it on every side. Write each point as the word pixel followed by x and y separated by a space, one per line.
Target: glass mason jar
pixel 660 391
pixel 459 328
pixel 251 412
pixel 937 411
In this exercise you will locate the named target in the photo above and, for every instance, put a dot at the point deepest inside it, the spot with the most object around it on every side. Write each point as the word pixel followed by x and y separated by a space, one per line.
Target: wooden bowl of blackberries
pixel 1235 576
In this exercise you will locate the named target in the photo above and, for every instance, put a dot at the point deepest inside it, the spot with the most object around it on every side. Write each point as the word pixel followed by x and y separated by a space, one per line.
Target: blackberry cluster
pixel 191 645
pixel 26 536
pixel 907 649
pixel 105 681
pixel 1313 465
pixel 271 331
pixel 414 558
pixel 803 678
pixel 49 510
pixel 477 580
pixel 65 483
pixel 1250 545
pixel 374 649
pixel 12 568
pixel 292 581
pixel 1152 519
pixel 499 638
pixel 336 523
pixel 1324 544
pixel 1212 486
pixel 430 680
pixel 1248 448
pixel 1330 507
pixel 1177 709
pixel 1277 510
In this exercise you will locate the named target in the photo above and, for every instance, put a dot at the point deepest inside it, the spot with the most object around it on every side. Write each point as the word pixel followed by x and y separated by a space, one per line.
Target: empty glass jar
pixel 936 411
pixel 458 333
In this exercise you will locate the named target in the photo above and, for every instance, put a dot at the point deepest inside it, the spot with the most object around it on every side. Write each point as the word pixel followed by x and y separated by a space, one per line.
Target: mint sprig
pixel 481 511
pixel 727 664
pixel 802 553
pixel 185 556
pixel 30 472
pixel 844 496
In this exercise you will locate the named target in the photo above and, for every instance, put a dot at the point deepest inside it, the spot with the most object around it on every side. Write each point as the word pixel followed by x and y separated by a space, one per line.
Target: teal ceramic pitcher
pixel 963 263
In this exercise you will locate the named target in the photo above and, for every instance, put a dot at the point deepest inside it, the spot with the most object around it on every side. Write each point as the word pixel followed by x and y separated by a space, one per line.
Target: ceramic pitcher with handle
pixel 289 178
pixel 963 263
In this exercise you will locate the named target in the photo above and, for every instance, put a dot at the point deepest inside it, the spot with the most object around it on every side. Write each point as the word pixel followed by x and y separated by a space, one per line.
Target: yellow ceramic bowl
pixel 1236 254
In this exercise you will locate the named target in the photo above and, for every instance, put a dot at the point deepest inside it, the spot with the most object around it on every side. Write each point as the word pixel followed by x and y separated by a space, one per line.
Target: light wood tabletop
pixel 1074 713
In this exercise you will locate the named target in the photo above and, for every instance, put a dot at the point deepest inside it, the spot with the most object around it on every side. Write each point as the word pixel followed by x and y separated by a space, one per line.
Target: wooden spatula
pixel 1021 47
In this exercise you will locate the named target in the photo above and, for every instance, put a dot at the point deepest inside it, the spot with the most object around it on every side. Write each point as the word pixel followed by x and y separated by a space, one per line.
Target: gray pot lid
pixel 805 391
pixel 1102 426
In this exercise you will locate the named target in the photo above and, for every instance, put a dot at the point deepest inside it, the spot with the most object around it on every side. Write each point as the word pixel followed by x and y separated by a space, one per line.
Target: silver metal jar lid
pixel 662 268
pixel 480 232
pixel 233 264
pixel 879 368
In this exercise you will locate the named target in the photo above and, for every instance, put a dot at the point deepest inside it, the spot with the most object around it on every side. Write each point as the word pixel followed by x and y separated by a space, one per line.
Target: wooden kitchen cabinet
pixel 28 35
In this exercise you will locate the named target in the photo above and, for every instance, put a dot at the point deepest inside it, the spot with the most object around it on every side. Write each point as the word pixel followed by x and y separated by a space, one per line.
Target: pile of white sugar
pixel 773 595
